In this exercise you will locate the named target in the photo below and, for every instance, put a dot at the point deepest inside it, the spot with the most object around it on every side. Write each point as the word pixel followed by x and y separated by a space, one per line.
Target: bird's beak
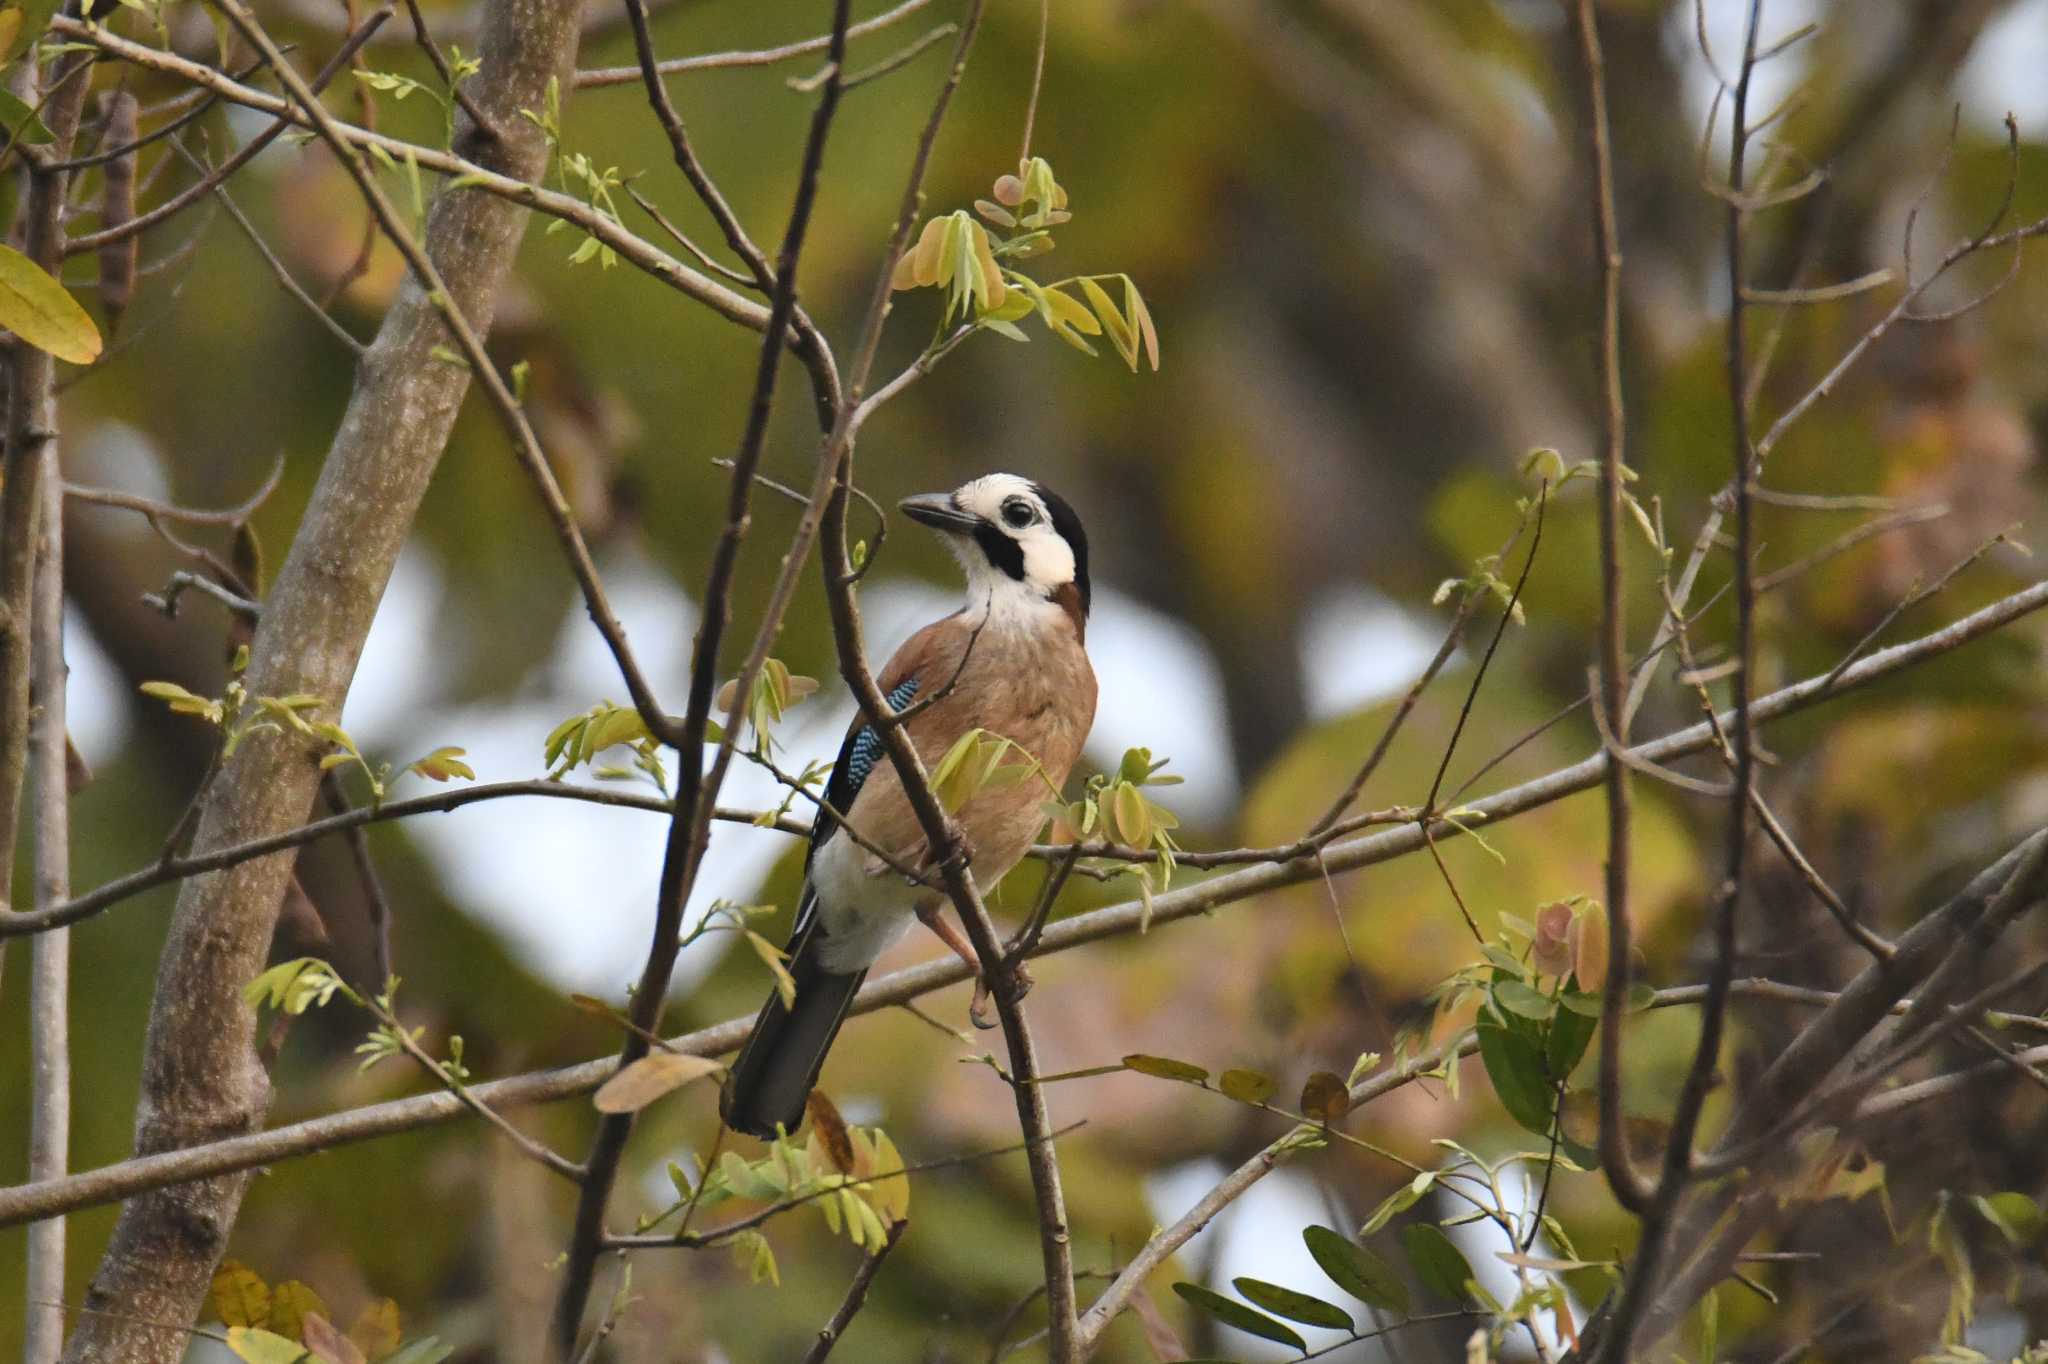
pixel 938 511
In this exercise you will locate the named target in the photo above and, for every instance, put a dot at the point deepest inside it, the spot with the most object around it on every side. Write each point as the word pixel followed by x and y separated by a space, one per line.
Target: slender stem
pixel 727 61
pixel 856 1295
pixel 1628 1186
pixel 49 986
pixel 1642 1281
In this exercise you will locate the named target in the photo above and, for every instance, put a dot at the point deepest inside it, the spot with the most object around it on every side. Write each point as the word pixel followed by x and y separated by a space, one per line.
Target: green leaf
pixel 1570 1033
pixel 1438 1263
pixel 1233 1313
pixel 1301 1307
pixel 1504 961
pixel 1165 1068
pixel 1356 1270
pixel 259 1346
pixel 2018 1218
pixel 443 764
pixel 744 1180
pixel 425 1350
pixel 21 121
pixel 1514 1062
pixel 1515 997
pixel 1398 1202
pixel 1246 1086
pixel 22 24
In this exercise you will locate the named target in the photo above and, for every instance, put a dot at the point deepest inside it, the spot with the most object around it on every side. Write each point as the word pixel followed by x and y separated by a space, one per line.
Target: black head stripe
pixel 1069 526
pixel 1001 550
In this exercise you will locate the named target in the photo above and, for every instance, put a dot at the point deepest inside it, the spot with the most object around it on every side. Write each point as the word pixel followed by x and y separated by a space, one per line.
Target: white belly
pixel 862 916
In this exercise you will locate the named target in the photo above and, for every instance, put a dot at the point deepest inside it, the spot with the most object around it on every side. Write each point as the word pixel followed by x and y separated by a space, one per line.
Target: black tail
pixel 772 1079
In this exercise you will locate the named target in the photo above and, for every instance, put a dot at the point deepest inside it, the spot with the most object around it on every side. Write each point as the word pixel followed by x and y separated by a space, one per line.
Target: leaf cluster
pixel 289 1322
pixel 975 268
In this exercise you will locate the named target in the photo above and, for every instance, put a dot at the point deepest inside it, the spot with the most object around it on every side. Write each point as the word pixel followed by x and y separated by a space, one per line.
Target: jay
pixel 1012 661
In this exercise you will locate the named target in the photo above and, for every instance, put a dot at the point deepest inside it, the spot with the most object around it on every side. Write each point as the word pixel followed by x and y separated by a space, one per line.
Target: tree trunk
pixel 201 1076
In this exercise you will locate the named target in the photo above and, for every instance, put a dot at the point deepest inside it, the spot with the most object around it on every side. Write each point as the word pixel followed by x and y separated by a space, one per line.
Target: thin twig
pixel 49 986
pixel 1628 1186
pixel 856 1294
pixel 425 39
pixel 1642 1277
pixel 278 268
pixel 177 203
pixel 728 61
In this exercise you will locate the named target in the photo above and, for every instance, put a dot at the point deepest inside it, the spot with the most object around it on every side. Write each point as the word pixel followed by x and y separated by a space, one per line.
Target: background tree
pixel 1490 403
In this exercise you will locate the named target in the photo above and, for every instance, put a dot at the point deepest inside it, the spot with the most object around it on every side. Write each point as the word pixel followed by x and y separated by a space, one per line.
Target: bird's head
pixel 1020 542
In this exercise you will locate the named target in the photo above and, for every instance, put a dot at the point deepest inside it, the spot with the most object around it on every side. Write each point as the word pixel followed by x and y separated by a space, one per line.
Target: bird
pixel 1012 661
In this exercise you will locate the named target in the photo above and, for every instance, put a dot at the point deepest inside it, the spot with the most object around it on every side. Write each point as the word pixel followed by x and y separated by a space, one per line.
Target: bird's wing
pixel 900 682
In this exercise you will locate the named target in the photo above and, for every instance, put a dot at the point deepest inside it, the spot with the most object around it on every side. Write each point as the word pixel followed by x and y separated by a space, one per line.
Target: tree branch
pixel 229 1155
pixel 49 986
pixel 856 1295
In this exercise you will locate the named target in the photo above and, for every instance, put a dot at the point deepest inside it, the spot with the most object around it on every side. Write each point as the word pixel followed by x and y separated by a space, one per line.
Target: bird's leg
pixel 932 915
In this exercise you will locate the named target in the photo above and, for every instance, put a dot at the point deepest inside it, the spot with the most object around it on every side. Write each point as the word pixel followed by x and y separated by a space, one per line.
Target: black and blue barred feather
pixel 857 758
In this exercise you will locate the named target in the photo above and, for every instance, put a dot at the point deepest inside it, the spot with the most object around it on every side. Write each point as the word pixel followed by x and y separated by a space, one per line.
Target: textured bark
pixel 201 1077
pixel 49 981
pixel 31 424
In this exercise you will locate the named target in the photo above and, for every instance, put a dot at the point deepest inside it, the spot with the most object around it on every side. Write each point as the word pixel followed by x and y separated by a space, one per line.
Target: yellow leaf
pixel 772 958
pixel 993 290
pixel 925 255
pixel 1133 820
pixel 375 1332
pixel 240 1297
pixel 1120 334
pixel 37 309
pixel 891 1194
pixel 258 1346
pixel 1587 939
pixel 1134 305
pixel 290 1303
pixel 650 1077
pixel 1065 308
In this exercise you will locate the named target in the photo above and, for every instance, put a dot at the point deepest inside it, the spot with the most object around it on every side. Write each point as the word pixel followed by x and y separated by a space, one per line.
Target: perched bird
pixel 1010 661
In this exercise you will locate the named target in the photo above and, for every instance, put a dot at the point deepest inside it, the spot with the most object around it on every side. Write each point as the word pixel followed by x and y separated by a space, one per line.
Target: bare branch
pixel 1628 1186
pixel 856 1295
pixel 727 61
pixel 49 985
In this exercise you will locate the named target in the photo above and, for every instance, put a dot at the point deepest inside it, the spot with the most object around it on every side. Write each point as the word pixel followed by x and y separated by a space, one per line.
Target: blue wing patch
pixel 867 745
pixel 856 760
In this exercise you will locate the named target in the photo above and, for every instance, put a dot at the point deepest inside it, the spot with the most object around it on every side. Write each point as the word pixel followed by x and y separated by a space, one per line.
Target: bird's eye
pixel 1018 513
